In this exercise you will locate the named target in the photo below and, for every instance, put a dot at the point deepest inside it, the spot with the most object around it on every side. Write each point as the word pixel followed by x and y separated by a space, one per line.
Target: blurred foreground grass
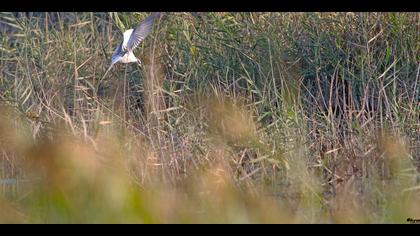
pixel 234 118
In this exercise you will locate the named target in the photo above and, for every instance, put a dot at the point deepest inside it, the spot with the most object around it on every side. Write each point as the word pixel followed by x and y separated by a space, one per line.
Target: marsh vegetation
pixel 232 118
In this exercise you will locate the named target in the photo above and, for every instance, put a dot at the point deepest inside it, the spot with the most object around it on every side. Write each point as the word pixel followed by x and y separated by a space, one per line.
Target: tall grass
pixel 233 118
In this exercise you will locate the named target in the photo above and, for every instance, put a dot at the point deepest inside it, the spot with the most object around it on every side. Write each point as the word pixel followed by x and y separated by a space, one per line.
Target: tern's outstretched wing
pixel 141 31
pixel 118 53
pixel 116 56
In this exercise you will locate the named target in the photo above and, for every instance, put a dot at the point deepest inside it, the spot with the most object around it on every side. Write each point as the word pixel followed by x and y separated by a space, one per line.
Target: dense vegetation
pixel 233 117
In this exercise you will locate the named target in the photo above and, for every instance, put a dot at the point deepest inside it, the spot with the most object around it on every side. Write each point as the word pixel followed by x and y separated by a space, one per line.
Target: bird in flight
pixel 131 39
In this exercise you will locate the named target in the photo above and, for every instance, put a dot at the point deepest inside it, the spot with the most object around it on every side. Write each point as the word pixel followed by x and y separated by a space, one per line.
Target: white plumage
pixel 131 39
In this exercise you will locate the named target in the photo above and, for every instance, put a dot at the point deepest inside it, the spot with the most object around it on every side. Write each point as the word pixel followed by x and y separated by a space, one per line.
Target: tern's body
pixel 129 56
